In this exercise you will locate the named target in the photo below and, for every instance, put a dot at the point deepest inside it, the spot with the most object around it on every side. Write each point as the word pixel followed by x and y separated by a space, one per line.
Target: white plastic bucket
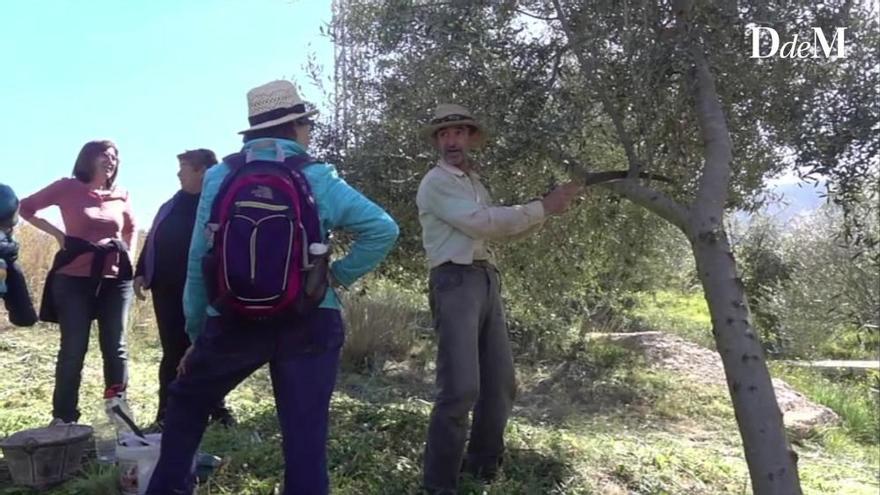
pixel 137 462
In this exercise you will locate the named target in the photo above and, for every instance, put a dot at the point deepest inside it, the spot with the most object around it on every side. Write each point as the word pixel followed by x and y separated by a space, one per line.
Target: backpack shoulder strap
pixel 311 220
pixel 299 162
pixel 235 161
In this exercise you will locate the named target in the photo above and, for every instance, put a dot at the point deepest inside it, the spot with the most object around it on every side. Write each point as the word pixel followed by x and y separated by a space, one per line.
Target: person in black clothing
pixel 161 268
pixel 13 286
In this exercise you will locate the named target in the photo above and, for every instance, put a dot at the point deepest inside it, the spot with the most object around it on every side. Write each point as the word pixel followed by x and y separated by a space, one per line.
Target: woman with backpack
pixel 91 275
pixel 257 289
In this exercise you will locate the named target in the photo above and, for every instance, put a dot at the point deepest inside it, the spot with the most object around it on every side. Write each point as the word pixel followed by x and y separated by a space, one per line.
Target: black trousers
pixel 475 374
pixel 168 306
pixel 79 300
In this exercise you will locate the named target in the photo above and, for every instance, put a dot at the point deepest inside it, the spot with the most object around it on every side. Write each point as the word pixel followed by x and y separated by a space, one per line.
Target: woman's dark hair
pixel 84 167
pixel 286 130
pixel 200 159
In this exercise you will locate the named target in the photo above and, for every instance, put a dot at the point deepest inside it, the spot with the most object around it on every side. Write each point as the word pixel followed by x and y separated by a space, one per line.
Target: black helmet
pixel 8 207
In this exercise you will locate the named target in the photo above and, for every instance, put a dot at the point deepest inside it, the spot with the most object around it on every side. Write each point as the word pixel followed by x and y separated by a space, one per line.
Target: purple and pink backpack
pixel 263 221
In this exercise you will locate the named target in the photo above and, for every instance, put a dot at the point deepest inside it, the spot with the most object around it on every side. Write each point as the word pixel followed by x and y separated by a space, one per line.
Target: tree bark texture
pixel 772 464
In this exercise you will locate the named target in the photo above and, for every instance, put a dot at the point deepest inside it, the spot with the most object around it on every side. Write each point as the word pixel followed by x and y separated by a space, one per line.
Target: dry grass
pixel 35 255
pixel 381 325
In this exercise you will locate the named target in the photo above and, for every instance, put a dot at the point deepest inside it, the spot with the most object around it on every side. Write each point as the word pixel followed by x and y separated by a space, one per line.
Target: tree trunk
pixel 772 463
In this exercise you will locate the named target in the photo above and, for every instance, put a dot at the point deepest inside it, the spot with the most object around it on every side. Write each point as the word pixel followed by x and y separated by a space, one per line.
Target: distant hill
pixel 790 198
pixel 795 199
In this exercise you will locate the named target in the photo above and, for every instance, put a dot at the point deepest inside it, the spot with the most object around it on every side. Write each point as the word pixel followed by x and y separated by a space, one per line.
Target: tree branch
pixel 655 201
pixel 535 16
pixel 712 191
pixel 587 68
pixel 586 65
pixel 557 66
pixel 715 181
pixel 622 134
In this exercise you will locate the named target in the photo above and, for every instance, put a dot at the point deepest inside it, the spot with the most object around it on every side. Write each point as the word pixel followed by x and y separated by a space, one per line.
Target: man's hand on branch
pixel 559 199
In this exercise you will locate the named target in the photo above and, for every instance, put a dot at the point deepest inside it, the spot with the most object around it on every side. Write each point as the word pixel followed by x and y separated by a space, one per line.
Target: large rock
pixel 802 417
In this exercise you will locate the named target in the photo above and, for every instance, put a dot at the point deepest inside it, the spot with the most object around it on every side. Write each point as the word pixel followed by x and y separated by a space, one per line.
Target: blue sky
pixel 155 76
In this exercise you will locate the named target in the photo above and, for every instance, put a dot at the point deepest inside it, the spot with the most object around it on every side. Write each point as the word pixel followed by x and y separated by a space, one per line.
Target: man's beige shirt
pixel 458 218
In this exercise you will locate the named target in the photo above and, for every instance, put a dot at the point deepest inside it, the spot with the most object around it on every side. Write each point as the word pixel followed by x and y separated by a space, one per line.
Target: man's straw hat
pixel 452 115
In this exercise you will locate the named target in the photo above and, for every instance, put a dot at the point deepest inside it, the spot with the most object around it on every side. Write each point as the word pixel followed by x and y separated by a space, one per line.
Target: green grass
pixel 851 398
pixel 685 315
pixel 597 420
pixel 854 399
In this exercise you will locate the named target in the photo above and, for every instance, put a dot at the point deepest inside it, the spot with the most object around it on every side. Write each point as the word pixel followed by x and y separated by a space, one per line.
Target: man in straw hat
pixel 474 360
pixel 303 352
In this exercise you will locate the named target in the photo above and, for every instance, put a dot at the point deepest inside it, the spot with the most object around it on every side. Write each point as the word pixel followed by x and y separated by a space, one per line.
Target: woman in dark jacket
pixel 162 269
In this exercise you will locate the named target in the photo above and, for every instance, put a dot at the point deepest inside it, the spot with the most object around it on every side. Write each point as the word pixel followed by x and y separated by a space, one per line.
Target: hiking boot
pixel 483 472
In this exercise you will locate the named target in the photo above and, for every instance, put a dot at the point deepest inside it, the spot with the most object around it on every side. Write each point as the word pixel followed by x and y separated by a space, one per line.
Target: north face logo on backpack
pixel 262 192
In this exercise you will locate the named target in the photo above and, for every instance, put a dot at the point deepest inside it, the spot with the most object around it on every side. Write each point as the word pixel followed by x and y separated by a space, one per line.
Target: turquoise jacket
pixel 340 206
